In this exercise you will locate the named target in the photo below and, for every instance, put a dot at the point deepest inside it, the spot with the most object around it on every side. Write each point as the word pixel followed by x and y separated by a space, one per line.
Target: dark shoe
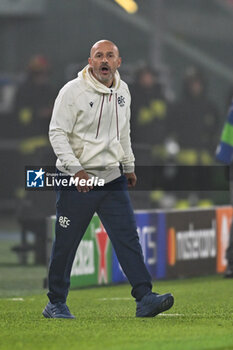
pixel 153 304
pixel 58 310
pixel 229 272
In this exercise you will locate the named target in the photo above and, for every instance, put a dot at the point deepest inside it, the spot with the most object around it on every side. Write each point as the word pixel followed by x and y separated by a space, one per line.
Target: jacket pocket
pixel 97 155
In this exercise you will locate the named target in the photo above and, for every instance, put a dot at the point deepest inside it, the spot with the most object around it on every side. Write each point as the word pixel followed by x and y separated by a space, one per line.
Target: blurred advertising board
pixel 93 264
pixel 224 219
pixel 151 231
pixel 191 243
pixel 175 244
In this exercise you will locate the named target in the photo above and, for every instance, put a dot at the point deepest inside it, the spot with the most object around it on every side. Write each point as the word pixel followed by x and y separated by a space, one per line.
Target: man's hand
pixel 131 178
pixel 83 175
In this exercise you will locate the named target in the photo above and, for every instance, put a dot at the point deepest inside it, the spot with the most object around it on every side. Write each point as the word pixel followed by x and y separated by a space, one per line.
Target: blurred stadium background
pixel 177 60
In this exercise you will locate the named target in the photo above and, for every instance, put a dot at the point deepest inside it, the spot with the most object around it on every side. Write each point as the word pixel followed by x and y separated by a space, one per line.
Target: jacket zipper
pixel 101 110
pixel 110 96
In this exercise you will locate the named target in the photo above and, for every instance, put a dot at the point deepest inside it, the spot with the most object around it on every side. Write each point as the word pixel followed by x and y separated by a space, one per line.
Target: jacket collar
pixel 88 77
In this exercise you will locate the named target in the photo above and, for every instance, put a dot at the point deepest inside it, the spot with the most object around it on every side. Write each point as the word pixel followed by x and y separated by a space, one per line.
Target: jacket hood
pixel 88 77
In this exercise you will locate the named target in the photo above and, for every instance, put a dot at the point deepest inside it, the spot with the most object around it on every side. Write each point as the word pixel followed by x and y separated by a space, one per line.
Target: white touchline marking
pixel 104 299
pixel 16 299
pixel 171 315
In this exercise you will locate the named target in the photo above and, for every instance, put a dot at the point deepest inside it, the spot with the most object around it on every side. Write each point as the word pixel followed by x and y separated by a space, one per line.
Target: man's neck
pixel 108 84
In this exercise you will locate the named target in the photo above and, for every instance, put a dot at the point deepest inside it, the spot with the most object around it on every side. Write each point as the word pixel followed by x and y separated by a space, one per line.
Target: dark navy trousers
pixel 112 204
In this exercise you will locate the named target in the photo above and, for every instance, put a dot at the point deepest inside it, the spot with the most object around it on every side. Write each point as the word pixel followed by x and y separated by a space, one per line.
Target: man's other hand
pixel 83 175
pixel 131 178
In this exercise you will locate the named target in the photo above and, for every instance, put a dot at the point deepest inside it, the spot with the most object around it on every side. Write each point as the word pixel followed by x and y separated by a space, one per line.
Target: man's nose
pixel 105 59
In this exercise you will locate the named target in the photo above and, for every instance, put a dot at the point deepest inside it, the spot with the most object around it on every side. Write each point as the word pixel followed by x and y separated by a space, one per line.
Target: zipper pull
pixel 110 96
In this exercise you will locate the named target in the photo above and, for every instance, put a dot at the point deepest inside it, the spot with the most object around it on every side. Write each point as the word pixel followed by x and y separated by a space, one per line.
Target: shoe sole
pixel 164 306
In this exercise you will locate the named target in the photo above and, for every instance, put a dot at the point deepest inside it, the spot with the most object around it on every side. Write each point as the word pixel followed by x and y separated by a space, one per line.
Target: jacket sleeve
pixel 62 123
pixel 128 160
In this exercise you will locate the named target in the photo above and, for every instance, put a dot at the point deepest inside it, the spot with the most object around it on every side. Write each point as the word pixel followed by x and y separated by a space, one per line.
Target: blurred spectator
pixel 149 110
pixel 33 104
pixel 194 121
pixel 33 108
pixel 149 113
pixel 7 143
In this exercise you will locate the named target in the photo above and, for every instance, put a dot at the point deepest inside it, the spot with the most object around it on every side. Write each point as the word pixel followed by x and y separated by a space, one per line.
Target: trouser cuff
pixel 140 290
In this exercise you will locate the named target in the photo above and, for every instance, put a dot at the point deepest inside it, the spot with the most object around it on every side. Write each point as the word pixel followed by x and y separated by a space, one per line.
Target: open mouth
pixel 104 70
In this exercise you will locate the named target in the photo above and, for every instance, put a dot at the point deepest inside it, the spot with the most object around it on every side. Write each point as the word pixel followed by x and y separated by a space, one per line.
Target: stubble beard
pixel 101 78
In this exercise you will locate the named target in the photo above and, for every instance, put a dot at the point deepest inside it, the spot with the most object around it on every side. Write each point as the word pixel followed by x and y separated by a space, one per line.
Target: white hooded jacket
pixel 90 127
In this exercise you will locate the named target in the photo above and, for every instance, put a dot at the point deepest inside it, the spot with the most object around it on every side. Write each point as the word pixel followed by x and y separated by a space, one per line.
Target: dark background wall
pixel 65 33
pixel 66 30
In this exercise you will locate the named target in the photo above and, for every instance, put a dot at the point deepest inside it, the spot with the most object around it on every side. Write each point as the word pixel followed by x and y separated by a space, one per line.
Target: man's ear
pixel 90 61
pixel 119 62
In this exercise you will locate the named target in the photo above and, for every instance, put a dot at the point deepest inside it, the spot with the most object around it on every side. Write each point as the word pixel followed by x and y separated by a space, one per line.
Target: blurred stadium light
pixel 128 5
pixel 136 20
pixel 178 43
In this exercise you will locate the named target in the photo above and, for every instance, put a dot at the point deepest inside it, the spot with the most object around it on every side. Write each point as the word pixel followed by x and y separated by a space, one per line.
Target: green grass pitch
pixel 201 318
